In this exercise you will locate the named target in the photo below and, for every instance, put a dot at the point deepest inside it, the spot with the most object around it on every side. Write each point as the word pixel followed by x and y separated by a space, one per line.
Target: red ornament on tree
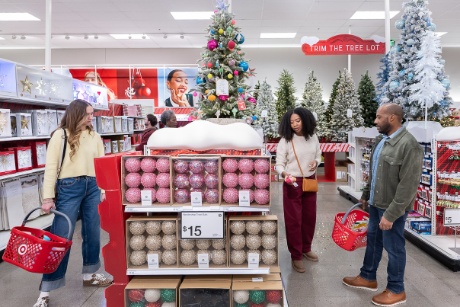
pixel 136 295
pixel 209 64
pixel 231 45
pixel 273 296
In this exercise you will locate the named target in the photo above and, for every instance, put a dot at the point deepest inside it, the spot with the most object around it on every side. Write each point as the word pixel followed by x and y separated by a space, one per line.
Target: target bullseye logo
pixel 22 249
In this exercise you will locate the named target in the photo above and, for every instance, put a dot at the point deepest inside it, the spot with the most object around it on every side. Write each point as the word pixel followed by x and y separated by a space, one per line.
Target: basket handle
pixel 348 212
pixel 69 234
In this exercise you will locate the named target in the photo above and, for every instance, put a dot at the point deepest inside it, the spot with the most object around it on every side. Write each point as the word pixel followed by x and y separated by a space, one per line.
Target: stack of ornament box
pixel 152 291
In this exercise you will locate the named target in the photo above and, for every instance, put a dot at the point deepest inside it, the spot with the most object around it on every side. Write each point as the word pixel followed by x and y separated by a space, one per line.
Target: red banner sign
pixel 341 44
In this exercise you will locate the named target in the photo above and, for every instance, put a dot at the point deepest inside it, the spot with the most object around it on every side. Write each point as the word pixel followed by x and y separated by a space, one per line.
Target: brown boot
pixel 388 298
pixel 311 256
pixel 360 283
pixel 298 266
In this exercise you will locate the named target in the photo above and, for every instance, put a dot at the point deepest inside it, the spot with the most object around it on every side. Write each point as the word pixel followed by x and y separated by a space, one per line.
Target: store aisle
pixel 428 283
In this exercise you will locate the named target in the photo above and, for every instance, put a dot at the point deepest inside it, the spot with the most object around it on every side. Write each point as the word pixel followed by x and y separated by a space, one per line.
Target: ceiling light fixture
pixel 372 14
pixel 96 37
pixel 86 36
pixel 67 37
pixel 17 17
pixel 165 36
pixel 144 36
pixel 182 36
pixel 23 37
pixel 129 36
pixel 277 35
pixel 191 15
pixel 13 36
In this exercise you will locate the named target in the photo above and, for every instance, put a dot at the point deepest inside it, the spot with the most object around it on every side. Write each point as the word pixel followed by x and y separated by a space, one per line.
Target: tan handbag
pixel 308 185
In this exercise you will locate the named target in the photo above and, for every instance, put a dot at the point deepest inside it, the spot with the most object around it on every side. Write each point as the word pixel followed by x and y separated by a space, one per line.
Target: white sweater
pixel 307 151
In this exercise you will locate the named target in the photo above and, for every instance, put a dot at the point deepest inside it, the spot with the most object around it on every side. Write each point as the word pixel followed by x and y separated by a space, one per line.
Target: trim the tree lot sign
pixel 342 44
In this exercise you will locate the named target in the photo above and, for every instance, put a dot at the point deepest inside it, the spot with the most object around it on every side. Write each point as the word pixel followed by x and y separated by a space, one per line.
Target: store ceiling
pixel 321 18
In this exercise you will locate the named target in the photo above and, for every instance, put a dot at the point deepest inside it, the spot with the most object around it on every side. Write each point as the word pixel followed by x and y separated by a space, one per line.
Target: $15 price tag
pixel 202 225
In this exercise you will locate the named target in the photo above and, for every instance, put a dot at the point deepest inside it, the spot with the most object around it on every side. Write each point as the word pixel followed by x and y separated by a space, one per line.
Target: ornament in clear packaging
pixel 148 165
pixel 137 257
pixel 153 227
pixel 257 296
pixel 253 227
pixel 269 241
pixel 196 181
pixel 181 196
pixel 269 227
pixel 181 166
pixel 168 295
pixel 237 227
pixel 133 180
pixel 203 243
pixel 137 242
pixel 168 227
pixel 238 257
pixel 133 195
pixel 211 166
pixel 163 165
pixel 230 195
pixel 152 295
pixel 211 181
pixel 153 242
pixel 169 242
pixel 196 167
pixel 212 196
pixel 136 295
pixel 273 296
pixel 137 228
pixel 253 241
pixel 169 257
pixel 237 242
pixel 262 196
pixel 181 181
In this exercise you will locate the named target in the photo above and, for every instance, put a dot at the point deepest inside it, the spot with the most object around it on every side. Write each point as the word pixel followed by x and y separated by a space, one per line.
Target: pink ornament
pixel 230 195
pixel 195 94
pixel 211 181
pixel 211 196
pixel 196 181
pixel 209 64
pixel 163 180
pixel 245 180
pixel 246 165
pixel 211 166
pixel 148 165
pixel 252 99
pixel 163 165
pixel 212 44
pixel 163 195
pixel 251 195
pixel 236 72
pixel 181 181
pixel 233 21
pixel 133 195
pixel 262 165
pixel 223 97
pixel 148 180
pixel 154 193
pixel 230 180
pixel 196 167
pixel 261 181
pixel 133 180
pixel 230 165
pixel 231 45
pixel 182 196
pixel 181 166
pixel 133 165
pixel 231 62
pixel 262 196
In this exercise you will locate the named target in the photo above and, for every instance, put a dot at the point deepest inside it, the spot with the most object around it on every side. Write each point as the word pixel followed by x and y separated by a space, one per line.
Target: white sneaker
pixel 42 301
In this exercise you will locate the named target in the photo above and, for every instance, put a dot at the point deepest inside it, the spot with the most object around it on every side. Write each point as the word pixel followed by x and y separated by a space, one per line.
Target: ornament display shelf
pixel 18 174
pixel 22 138
pixel 198 271
pixel 114 133
pixel 172 209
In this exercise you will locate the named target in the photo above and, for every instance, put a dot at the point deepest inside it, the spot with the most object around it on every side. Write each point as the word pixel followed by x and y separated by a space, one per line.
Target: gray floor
pixel 428 283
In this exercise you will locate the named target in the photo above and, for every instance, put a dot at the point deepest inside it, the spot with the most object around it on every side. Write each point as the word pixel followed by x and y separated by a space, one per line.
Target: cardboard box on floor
pixel 151 282
pixel 223 283
pixel 275 296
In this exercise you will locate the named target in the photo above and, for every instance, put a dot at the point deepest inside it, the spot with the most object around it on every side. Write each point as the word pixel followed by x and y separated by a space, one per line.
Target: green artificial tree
pixel 367 98
pixel 223 66
pixel 347 109
pixel 285 99
pixel 256 90
pixel 326 132
pixel 312 99
pixel 265 111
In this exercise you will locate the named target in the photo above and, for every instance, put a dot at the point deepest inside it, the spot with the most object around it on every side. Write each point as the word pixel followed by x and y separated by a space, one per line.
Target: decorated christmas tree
pixel 285 99
pixel 347 109
pixel 414 25
pixel 265 111
pixel 256 90
pixel 312 99
pixel 326 131
pixel 223 70
pixel 381 89
pixel 369 106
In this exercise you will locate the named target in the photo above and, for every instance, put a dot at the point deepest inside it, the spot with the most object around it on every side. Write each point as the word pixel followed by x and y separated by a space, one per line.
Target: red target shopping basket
pixel 36 250
pixel 343 235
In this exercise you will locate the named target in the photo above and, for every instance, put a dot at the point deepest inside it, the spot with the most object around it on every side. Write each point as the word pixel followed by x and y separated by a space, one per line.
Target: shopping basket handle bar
pixel 348 212
pixel 69 234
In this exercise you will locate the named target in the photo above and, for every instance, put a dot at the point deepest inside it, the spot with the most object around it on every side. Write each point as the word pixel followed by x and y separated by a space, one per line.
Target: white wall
pixel 268 62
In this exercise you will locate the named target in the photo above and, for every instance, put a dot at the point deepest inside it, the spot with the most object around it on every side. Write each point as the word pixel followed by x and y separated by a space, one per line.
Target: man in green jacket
pixel 395 170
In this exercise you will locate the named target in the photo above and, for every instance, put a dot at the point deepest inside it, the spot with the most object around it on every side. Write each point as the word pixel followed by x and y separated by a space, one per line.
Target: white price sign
pixel 451 217
pixel 202 225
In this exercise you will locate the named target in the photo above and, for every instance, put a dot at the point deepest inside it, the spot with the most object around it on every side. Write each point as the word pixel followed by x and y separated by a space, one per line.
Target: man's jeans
pixel 394 243
pixel 76 196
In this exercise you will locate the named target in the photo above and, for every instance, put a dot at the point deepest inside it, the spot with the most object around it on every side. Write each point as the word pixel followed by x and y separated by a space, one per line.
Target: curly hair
pixel 308 124
pixel 74 116
pixel 166 116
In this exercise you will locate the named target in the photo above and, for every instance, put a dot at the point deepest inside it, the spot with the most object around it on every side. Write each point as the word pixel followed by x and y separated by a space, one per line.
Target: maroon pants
pixel 299 218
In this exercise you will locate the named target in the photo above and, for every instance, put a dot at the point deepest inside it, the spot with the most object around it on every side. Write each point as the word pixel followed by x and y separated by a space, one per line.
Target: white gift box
pixel 40 122
pixel 5 123
pixel 117 124
pixel 127 143
pixel 130 125
pixel 121 145
pixel 24 124
pixel 104 124
pixel 59 115
pixel 107 146
pixel 94 123
pixel 14 127
pixel 115 147
pixel 52 120
pixel 124 124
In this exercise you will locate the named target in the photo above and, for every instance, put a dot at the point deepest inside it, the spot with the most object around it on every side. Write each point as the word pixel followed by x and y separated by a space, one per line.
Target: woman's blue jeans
pixel 393 242
pixel 76 196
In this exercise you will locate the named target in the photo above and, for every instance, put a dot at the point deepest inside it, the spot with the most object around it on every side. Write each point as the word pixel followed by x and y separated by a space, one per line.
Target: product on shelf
pixel 152 291
pixel 266 292
pixel 5 123
pixel 52 120
pixel 23 158
pixel 105 124
pixel 117 124
pixel 38 153
pixel 107 146
pixel 23 124
pixel 40 125
pixel 7 162
pixel 209 292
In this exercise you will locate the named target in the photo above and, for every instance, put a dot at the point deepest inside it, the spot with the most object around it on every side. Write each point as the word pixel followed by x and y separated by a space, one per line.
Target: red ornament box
pixel 23 158
pixel 38 154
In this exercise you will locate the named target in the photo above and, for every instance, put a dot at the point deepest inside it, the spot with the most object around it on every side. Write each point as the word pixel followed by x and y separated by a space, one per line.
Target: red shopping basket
pixel 36 250
pixel 342 234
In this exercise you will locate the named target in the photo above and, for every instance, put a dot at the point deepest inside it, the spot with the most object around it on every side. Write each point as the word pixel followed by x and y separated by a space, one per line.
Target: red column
pixel 329 166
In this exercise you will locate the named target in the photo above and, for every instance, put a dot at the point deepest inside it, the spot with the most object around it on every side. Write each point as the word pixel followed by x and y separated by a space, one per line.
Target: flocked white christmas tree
pixel 347 108
pixel 265 111
pixel 414 25
pixel 312 99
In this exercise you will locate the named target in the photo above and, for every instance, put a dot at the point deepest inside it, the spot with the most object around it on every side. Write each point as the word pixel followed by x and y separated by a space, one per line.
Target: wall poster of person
pixel 176 87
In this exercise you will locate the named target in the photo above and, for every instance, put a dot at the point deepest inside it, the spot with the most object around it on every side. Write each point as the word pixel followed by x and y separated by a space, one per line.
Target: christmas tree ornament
pixel 153 227
pixel 221 31
pixel 231 45
pixel 253 241
pixel 246 180
pixel 234 111
pixel 402 73
pixel 137 304
pixel 221 45
pixel 135 295
pixel 163 165
pixel 269 241
pixel 163 195
pixel 137 228
pixel 262 166
pixel 218 243
pixel 246 165
pixel 230 76
pixel 241 296
pixel 199 80
pixel 169 257
pixel 196 181
pixel 138 257
pixel 432 27
pixel 230 195
pixel 152 295
pixel 445 83
pixel 196 166
pixel 211 166
pixel 168 242
pixel 261 181
pixel 273 296
pixel 137 242
pixel 252 99
pixel 269 227
pixel 237 227
pixel 182 196
pixel 229 30
pixel 240 90
pixel 257 296
pixel 210 76
pixel 230 165
pixel 262 196
pixel 233 22
pixel 230 180
pixel 218 257
pixel 410 76
pixel 231 62
pixel 236 72
pixel 253 227
pixel 244 65
pixel 212 97
pixel 188 257
pixel 133 180
pixel 203 243
pixel 181 181
pixel 163 180
pixel 237 242
pixel 168 227
pixel 133 195
pixel 269 256
pixel 212 31
pixel 133 165
pixel 153 242
pixel 212 44
pixel 181 166
pixel 148 165
pixel 168 295
pixel 399 24
pixel 148 180
pixel 211 181
pixel 211 196
pixel 209 64
pixel 410 42
pixel 239 38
